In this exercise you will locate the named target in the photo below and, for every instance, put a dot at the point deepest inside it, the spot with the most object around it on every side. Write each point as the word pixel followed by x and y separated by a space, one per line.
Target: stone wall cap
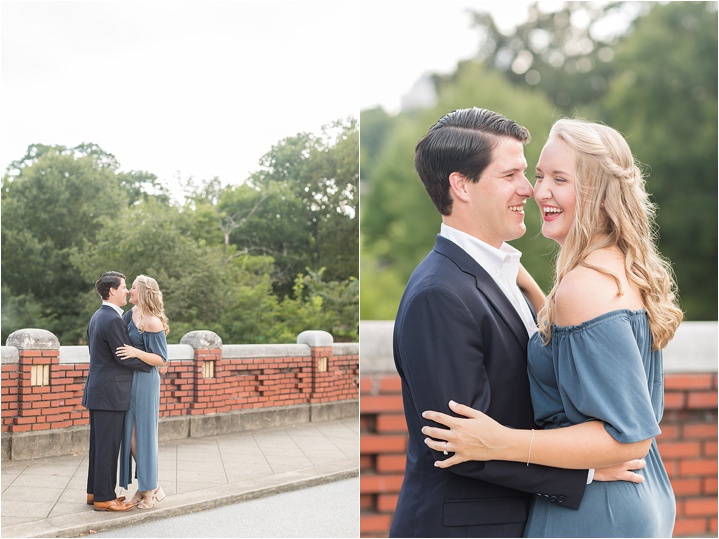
pixel 247 351
pixel 346 348
pixel 315 338
pixel 33 339
pixel 202 339
pixel 10 355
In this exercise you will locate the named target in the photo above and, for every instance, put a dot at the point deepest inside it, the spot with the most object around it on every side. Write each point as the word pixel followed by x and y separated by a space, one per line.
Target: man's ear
pixel 458 186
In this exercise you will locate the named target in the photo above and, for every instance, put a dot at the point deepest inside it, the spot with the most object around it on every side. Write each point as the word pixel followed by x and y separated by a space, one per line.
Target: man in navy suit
pixel 461 333
pixel 107 392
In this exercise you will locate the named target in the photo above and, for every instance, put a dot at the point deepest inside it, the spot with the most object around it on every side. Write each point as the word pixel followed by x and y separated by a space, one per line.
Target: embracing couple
pixel 529 416
pixel 122 391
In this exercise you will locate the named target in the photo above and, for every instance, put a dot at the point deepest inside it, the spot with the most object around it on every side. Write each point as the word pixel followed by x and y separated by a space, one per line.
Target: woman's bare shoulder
pixel 585 293
pixel 153 324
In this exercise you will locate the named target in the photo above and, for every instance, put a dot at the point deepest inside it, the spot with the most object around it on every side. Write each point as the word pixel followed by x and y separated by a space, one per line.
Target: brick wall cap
pixel 10 354
pixel 314 338
pixel 346 349
pixel 33 339
pixel 180 352
pixel 202 339
pixel 693 349
pixel 240 351
pixel 376 350
pixel 74 355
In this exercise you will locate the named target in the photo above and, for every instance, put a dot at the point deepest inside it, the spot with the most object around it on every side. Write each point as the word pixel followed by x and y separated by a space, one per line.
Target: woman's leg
pixel 138 494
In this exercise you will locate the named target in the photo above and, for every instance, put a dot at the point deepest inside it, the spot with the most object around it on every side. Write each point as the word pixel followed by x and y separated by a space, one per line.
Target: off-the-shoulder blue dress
pixel 144 411
pixel 604 369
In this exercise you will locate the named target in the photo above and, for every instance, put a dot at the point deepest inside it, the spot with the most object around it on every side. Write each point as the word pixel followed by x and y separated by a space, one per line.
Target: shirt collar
pixel 503 261
pixel 118 310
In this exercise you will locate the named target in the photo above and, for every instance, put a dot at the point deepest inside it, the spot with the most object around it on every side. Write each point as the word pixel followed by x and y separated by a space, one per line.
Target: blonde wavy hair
pixel 149 302
pixel 608 178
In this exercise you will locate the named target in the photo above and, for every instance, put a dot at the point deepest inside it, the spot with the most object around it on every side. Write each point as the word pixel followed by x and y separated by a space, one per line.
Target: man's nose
pixel 525 189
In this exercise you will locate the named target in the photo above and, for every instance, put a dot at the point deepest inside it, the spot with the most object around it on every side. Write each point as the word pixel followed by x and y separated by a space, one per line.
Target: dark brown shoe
pixel 113 505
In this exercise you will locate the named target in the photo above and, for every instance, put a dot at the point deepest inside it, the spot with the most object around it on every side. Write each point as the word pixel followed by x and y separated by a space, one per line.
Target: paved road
pixel 329 510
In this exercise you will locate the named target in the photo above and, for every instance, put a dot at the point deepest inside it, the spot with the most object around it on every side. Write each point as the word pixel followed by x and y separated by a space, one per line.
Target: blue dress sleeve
pixel 127 317
pixel 601 375
pixel 155 343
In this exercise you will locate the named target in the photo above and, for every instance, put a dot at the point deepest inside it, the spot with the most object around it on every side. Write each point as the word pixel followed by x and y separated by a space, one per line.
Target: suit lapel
pixel 486 286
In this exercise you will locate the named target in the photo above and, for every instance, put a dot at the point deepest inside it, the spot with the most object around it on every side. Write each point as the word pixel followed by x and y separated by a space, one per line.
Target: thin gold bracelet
pixel 530 447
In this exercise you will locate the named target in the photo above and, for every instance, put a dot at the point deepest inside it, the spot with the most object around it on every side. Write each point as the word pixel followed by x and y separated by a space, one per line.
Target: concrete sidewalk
pixel 46 497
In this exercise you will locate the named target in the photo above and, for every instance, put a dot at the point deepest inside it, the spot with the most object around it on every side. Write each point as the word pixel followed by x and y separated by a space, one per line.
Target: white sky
pixel 402 40
pixel 204 88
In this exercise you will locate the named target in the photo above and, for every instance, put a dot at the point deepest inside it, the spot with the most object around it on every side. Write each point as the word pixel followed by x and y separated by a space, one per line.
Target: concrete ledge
pixel 44 443
pixel 334 410
pixel 346 349
pixel 693 349
pixel 55 442
pixel 6 446
pixel 10 355
pixel 81 354
pixel 242 351
pixel 258 418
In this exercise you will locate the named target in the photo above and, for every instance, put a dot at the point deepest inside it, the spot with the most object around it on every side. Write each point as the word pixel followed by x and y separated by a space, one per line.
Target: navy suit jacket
pixel 457 336
pixel 109 379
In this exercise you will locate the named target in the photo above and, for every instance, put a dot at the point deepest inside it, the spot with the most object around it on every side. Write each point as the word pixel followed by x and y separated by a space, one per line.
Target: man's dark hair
pixel 106 281
pixel 461 141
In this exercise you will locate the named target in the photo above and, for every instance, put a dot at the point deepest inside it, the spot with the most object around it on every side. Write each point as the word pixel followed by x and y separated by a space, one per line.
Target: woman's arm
pixel 530 288
pixel 154 325
pixel 130 351
pixel 476 436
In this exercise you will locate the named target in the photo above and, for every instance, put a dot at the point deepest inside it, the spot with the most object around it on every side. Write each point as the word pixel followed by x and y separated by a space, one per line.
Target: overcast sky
pixel 204 88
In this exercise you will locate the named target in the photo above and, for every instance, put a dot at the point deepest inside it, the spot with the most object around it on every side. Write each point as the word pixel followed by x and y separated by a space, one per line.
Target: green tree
pixel 664 99
pixel 656 82
pixel 201 288
pixel 253 263
pixel 318 304
pixel 51 202
pixel 321 172
pixel 566 54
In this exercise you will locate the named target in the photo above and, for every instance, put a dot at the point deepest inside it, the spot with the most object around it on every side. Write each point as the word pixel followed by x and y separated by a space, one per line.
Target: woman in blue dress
pixel 148 327
pixel 595 363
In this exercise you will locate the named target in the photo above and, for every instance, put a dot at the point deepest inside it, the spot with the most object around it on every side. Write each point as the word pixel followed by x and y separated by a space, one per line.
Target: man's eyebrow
pixel 513 169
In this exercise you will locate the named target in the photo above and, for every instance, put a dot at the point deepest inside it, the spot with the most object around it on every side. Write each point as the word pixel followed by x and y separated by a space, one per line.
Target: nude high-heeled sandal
pixel 148 502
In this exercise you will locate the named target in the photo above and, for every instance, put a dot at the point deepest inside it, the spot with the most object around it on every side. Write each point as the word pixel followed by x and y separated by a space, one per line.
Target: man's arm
pixel 444 357
pixel 116 337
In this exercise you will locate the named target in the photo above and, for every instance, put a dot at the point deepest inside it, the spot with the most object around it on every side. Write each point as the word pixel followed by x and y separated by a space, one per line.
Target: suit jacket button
pixel 552 498
pixel 561 499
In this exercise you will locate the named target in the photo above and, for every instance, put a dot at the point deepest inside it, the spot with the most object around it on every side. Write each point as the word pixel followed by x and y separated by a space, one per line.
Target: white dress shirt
pixel 118 310
pixel 502 264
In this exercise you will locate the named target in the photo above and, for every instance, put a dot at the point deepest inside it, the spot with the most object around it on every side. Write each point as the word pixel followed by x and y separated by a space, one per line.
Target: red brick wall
pixel 9 387
pixel 238 383
pixel 688 445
